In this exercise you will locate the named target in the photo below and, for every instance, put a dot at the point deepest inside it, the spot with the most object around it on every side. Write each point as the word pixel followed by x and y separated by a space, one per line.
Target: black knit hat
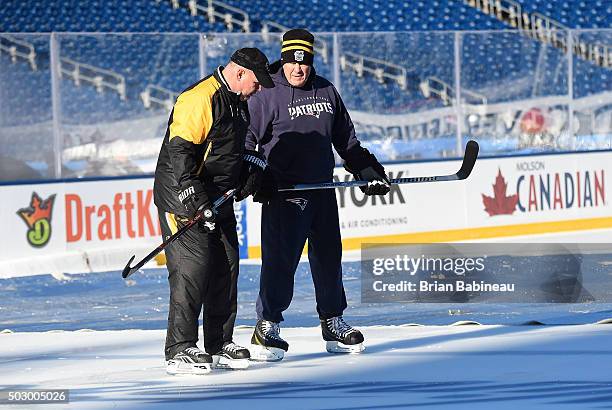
pixel 298 47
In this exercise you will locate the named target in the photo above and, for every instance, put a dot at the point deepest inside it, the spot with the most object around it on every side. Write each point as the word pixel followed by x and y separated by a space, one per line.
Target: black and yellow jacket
pixel 204 140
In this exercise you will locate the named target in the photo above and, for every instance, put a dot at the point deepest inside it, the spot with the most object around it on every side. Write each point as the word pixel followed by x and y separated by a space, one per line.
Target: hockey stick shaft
pixel 469 160
pixel 128 270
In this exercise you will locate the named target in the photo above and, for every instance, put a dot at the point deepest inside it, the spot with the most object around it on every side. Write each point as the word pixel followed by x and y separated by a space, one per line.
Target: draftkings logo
pixel 38 219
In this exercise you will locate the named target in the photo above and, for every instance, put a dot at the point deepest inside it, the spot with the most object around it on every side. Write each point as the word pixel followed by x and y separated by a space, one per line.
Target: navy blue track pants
pixel 286 222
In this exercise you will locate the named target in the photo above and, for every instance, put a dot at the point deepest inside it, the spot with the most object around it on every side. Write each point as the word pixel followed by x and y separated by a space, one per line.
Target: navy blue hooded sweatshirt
pixel 295 128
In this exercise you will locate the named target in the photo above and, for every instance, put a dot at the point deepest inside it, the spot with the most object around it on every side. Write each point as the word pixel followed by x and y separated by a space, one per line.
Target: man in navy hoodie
pixel 294 125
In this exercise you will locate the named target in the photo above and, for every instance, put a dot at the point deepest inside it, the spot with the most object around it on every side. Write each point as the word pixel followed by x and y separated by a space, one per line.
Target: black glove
pixel 251 174
pixel 268 189
pixel 379 183
pixel 365 167
pixel 194 199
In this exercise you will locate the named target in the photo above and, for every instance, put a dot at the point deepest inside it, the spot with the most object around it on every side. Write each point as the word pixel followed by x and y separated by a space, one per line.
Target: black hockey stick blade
pixel 469 160
pixel 128 270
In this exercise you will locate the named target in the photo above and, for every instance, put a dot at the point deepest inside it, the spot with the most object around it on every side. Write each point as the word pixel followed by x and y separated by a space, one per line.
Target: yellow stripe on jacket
pixel 192 118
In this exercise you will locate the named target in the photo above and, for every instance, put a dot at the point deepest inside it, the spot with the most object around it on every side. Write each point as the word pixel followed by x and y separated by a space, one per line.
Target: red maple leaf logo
pixel 500 204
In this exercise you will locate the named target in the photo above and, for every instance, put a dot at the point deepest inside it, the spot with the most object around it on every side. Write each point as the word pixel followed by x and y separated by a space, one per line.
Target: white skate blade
pixel 177 367
pixel 337 347
pixel 266 354
pixel 220 362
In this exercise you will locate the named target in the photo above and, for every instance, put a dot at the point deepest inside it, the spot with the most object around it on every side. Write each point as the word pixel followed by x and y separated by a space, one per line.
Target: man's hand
pixel 379 183
pixel 268 189
pixel 194 199
pixel 251 174
pixel 365 167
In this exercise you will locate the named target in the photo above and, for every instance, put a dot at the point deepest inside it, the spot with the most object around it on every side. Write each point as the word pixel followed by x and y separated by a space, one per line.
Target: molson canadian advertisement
pixel 541 194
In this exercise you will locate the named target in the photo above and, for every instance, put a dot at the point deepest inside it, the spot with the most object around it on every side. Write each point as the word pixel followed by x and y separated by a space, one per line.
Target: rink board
pixel 81 226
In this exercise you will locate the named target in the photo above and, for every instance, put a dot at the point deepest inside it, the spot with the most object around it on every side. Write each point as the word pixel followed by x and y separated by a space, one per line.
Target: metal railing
pixel 96 76
pixel 434 87
pixel 17 49
pixel 228 14
pixel 544 29
pixel 380 69
pixel 160 96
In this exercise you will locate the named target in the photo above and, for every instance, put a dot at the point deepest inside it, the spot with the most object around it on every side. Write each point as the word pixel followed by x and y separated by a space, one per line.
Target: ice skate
pixel 190 361
pixel 231 356
pixel 340 337
pixel 266 343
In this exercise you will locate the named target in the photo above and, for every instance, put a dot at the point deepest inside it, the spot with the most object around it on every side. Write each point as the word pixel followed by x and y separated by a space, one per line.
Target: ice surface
pixel 434 367
pixel 104 301
pixel 501 365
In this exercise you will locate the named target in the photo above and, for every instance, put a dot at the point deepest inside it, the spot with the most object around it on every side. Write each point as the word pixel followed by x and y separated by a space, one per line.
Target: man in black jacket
pixel 200 159
pixel 294 125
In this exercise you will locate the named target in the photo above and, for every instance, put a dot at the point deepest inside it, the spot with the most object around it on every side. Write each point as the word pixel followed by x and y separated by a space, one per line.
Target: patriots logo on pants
pixel 301 202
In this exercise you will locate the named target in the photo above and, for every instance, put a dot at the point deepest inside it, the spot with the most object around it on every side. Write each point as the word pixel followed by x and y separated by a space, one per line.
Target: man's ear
pixel 240 73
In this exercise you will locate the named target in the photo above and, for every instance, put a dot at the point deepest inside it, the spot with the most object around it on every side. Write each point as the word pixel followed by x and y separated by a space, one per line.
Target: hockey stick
pixel 128 270
pixel 469 159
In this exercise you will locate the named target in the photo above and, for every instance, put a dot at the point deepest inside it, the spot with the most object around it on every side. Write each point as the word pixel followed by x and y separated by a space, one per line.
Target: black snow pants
pixel 203 274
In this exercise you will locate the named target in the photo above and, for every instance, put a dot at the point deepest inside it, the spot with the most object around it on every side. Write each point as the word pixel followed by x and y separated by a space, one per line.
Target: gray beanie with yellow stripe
pixel 297 47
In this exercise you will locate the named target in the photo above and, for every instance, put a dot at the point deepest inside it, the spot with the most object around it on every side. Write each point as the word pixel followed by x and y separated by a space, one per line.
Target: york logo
pixel 354 197
pixel 38 219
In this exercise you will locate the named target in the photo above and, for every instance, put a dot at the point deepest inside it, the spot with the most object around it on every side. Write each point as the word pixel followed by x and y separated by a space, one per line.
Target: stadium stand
pixel 384 73
pixel 175 16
